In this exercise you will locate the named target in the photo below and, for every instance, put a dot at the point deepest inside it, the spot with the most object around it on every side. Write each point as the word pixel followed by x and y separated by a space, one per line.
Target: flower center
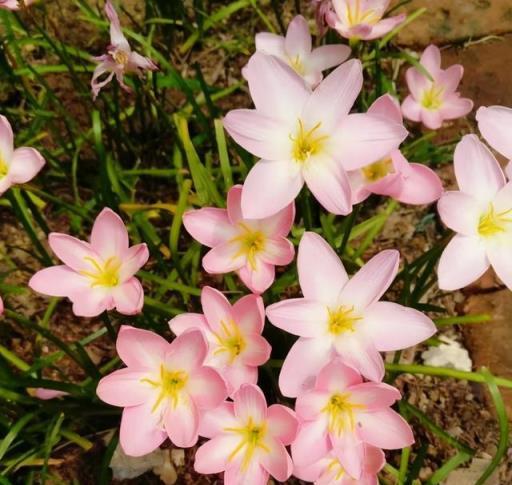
pixel 340 412
pixel 120 57
pixel 103 274
pixel 229 340
pixel 341 320
pixel 252 438
pixel 170 384
pixel 356 15
pixel 492 222
pixel 4 168
pixel 433 97
pixel 377 170
pixel 307 143
pixel 251 243
pixel 297 65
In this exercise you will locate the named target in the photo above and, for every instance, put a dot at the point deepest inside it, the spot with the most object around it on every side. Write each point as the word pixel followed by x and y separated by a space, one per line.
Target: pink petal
pixel 450 78
pixel 362 356
pixel 270 44
pixel 431 60
pixel 58 281
pixel 134 259
pixel 250 403
pixel 224 258
pixel 141 348
pixel 91 302
pixel 499 256
pixel 124 387
pixel 116 35
pixel 387 107
pixel 212 456
pixel 106 66
pixel 299 316
pixel 25 165
pixel 432 119
pixel 420 186
pixel 182 423
pixel 255 474
pixel 321 273
pixel 350 452
pixel 187 352
pixel 374 460
pixel 6 139
pixel 187 321
pixel 278 251
pixel 494 123
pixel 109 236
pixel 337 377
pixel 249 313
pixel 140 62
pixel 380 29
pixel 237 375
pixel 257 351
pixel 460 212
pixel 72 252
pixel 298 39
pixel 417 84
pixel 280 223
pixel 216 308
pixel 207 388
pixel 260 279
pixel 411 109
pixel 46 394
pixel 276 461
pixel 312 443
pixel 374 396
pixel 282 423
pixel 209 226
pixel 309 406
pixel 456 107
pixel 215 421
pixel 385 429
pixel 327 56
pixel 234 204
pixel 394 327
pixel 129 297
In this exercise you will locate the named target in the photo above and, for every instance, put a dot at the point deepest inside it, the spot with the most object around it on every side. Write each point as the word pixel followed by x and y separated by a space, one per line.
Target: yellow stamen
pixel 171 383
pixel 307 143
pixel 336 467
pixel 377 170
pixel 120 57
pixel 433 97
pixel 251 243
pixel 230 340
pixel 342 319
pixel 341 412
pixel 492 223
pixel 104 274
pixel 4 168
pixel 357 16
pixel 297 65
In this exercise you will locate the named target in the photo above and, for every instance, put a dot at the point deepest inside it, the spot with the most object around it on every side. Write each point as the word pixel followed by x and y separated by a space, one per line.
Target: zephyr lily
pixel 247 439
pixel 17 166
pixel 330 471
pixel 434 100
pixel 393 175
pixel 233 333
pixel 362 19
pixel 164 390
pixel 343 413
pixel 305 136
pixel 15 4
pixel 96 275
pixel 481 215
pixel 250 247
pixel 296 50
pixel 119 59
pixel 343 317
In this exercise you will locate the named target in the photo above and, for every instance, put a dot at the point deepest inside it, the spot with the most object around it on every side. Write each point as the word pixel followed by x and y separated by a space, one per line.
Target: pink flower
pixel 164 390
pixel 247 439
pixel 119 59
pixel 17 166
pixel 343 317
pixel 393 175
pixel 322 8
pixel 233 333
pixel 362 19
pixel 46 394
pixel 330 471
pixel 432 102
pixel 481 215
pixel 97 275
pixel 296 51
pixel 250 247
pixel 305 136
pixel 15 4
pixel 343 414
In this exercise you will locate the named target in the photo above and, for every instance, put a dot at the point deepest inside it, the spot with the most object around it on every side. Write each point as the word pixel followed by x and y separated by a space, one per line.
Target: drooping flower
pixel 296 50
pixel 15 4
pixel 434 101
pixel 164 390
pixel 342 414
pixel 247 439
pixel 96 275
pixel 481 215
pixel 305 136
pixel 343 317
pixel 250 247
pixel 393 175
pixel 119 59
pixel 17 166
pixel 322 8
pixel 233 333
pixel 362 19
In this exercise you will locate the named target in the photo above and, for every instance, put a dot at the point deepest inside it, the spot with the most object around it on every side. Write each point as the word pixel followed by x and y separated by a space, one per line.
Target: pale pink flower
pixel 17 166
pixel 247 439
pixel 343 414
pixel 362 19
pixel 432 102
pixel 233 333
pixel 96 275
pixel 250 247
pixel 296 51
pixel 15 4
pixel 47 394
pixel 330 471
pixel 305 136
pixel 481 215
pixel 119 59
pixel 322 8
pixel 164 390
pixel 393 175
pixel 343 317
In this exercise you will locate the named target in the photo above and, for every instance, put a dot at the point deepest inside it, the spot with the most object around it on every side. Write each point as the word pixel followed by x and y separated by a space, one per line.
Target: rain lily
pixel 305 136
pixel 119 59
pixel 343 414
pixel 252 248
pixel 362 19
pixel 296 50
pixel 164 390
pixel 436 100
pixel 96 275
pixel 233 333
pixel 322 8
pixel 481 215
pixel 393 175
pixel 15 4
pixel 247 439
pixel 343 317
pixel 17 166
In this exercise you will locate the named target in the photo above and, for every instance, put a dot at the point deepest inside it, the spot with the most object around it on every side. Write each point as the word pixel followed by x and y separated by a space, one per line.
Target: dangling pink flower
pixel 393 175
pixel 233 333
pixel 164 390
pixel 322 8
pixel 247 439
pixel 296 51
pixel 362 19
pixel 343 317
pixel 343 414
pixel 96 275
pixel 15 4
pixel 432 102
pixel 17 166
pixel 119 59
pixel 481 215
pixel 250 247
pixel 305 137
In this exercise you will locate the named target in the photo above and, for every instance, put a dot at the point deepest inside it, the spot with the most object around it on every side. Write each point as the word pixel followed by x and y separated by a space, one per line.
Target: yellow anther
pixel 492 222
pixel 341 320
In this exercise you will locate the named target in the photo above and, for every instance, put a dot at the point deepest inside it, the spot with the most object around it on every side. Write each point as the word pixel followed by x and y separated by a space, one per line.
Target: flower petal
pixel 259 279
pixel 187 352
pixel 257 351
pixel 494 123
pixel 6 139
pixel 421 185
pixel 249 313
pixel 134 259
pixel 207 388
pixel 182 424
pixel 224 258
pixel 278 251
pixel 276 461
pixel 298 39
pixel 210 226
pixel 91 302
pixel 337 377
pixel 299 316
pixel 25 165
pixel 213 456
pixel 72 252
pixel 385 429
pixel 186 321
pixel 270 44
pixel 387 107
pixel 431 59
pixel 411 109
pixel 141 348
pixel 303 452
pixel 460 212
pixel 455 107
pixel 58 281
pixel 216 307
pixel 116 34
pixel 282 423
pixel 215 421
pixel 327 56
pixel 124 387
pixel 250 403
pixel 234 203
pixel 280 223
pixel 109 236
pixel 374 395
pixel 499 256
pixel 362 356
pixel 129 297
